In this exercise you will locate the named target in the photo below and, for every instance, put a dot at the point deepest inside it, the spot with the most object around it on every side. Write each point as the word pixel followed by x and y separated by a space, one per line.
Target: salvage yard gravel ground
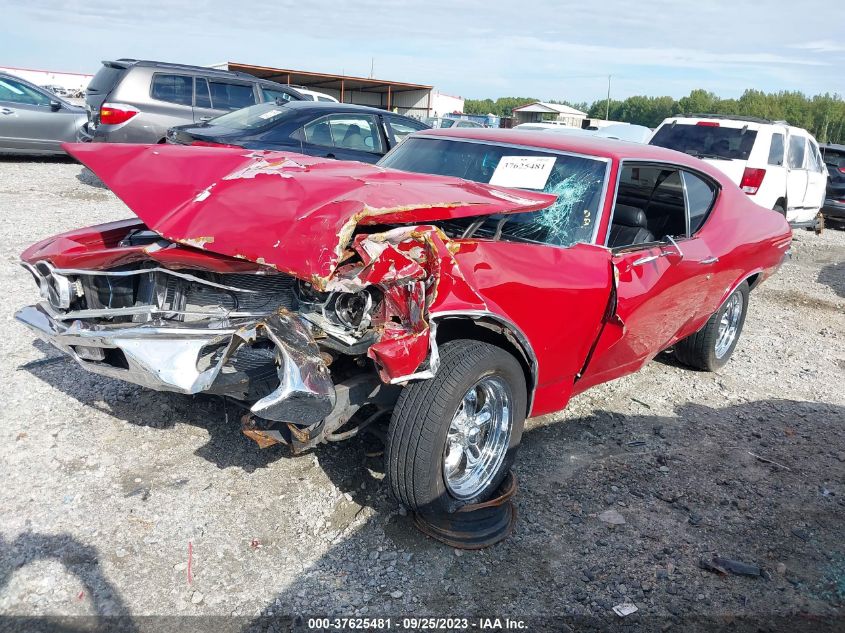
pixel 117 500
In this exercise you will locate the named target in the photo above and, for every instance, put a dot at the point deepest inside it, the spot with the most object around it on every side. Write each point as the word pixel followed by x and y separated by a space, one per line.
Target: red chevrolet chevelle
pixel 471 279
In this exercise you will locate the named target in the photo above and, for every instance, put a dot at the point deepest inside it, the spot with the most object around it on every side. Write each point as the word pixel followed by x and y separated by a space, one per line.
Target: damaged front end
pixel 214 293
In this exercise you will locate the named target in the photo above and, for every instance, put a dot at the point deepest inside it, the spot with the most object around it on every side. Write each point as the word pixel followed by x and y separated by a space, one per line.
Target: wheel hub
pixel 478 436
pixel 729 324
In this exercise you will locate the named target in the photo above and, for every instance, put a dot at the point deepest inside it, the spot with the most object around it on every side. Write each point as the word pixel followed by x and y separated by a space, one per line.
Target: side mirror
pixel 55 106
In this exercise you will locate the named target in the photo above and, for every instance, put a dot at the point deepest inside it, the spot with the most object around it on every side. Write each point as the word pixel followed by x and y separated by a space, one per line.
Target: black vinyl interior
pixel 629 227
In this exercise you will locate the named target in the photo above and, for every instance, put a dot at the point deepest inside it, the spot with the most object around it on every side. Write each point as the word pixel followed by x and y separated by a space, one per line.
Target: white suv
pixel 777 165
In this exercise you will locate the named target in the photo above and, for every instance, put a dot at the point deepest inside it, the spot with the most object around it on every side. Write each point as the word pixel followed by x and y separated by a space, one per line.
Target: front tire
pixel 711 347
pixel 453 438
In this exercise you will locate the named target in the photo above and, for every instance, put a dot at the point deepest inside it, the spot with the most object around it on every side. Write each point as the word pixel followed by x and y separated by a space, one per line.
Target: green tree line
pixel 823 115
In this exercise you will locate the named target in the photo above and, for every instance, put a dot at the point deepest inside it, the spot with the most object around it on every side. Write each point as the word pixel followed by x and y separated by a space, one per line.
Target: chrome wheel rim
pixel 478 437
pixel 729 324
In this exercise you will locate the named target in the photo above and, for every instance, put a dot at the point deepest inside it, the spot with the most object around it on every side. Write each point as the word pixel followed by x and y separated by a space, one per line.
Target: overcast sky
pixel 543 49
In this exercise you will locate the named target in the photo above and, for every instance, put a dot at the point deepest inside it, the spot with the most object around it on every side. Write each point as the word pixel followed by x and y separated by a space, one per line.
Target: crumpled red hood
pixel 293 212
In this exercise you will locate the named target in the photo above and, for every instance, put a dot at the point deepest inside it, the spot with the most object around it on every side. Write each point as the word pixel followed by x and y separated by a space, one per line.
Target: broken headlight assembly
pixel 348 312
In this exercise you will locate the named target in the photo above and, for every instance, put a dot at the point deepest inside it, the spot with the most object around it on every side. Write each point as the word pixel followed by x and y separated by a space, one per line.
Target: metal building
pixel 409 99
pixel 539 111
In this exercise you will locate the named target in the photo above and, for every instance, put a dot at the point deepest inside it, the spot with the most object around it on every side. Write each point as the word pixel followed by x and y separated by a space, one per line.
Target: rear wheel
pixel 453 438
pixel 711 347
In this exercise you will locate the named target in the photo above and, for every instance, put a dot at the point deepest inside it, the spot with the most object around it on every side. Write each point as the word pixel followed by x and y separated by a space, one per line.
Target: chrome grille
pixel 142 294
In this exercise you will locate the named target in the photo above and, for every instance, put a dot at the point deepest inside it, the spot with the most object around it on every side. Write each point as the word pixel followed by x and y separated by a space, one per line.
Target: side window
pixel 324 99
pixel 230 96
pixel 272 95
pixel 814 161
pixel 173 89
pixel 650 204
pixel 318 133
pixel 203 98
pixel 776 150
pixel 700 196
pixel 402 128
pixel 795 160
pixel 344 131
pixel 834 160
pixel 15 92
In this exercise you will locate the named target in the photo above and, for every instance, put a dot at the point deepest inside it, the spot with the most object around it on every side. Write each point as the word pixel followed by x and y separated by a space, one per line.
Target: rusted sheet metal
pixel 265 438
pixel 292 212
pixel 474 526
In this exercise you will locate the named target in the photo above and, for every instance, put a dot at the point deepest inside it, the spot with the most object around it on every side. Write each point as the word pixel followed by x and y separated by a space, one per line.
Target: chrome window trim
pixel 602 159
pixel 686 202
pixel 682 168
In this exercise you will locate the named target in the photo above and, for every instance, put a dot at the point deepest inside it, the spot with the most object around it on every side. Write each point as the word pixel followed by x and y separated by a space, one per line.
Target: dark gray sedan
pixel 33 120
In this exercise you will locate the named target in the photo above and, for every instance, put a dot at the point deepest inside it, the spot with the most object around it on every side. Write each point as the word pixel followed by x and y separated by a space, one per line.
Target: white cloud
pixel 475 48
pixel 821 46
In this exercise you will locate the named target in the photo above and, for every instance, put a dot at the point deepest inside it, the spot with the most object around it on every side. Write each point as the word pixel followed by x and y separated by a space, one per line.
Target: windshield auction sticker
pixel 269 114
pixel 523 172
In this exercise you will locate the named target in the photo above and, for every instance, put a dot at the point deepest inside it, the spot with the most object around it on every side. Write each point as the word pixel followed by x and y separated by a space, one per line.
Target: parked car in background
pixel 57 90
pixel 430 288
pixel 446 122
pixel 35 121
pixel 543 125
pixel 333 130
pixel 778 165
pixel 834 203
pixel 313 95
pixel 618 131
pixel 131 101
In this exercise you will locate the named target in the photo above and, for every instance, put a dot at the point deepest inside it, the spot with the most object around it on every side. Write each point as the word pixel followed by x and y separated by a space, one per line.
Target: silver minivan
pixel 136 101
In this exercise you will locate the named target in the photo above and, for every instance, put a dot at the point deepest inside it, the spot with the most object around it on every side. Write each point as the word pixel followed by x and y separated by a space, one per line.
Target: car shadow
pixel 79 559
pixel 833 275
pixel 226 447
pixel 571 471
pixel 88 177
pixel 57 158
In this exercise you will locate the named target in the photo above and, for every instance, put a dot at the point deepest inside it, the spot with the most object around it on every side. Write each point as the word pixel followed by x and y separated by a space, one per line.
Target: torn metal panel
pixel 184 360
pixel 305 394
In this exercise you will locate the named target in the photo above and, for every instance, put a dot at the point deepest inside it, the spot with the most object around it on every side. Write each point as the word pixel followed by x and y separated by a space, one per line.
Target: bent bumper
pixel 201 359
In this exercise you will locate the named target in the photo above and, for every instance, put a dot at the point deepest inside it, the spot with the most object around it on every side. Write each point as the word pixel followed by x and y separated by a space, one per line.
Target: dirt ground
pixel 116 500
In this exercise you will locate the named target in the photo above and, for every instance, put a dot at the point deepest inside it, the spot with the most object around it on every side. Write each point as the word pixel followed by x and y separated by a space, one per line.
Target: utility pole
pixel 372 64
pixel 607 108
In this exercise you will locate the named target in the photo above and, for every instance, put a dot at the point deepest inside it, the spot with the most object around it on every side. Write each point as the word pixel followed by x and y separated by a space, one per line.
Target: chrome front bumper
pixel 190 359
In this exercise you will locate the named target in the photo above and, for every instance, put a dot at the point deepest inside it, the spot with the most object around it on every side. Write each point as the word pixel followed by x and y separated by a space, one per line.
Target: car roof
pixel 575 143
pixel 334 106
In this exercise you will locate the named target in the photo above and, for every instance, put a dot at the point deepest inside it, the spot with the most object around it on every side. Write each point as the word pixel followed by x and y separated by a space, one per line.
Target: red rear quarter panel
pixel 748 239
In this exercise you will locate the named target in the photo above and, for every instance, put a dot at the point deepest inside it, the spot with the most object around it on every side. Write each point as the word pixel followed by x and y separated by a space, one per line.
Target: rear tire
pixel 441 453
pixel 711 347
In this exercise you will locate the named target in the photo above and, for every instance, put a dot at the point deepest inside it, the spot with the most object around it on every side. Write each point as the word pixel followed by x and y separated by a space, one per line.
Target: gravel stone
pixel 80 453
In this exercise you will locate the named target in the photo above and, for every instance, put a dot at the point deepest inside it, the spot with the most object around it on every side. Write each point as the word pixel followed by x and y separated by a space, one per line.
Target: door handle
pixel 6 111
pixel 709 260
pixel 203 119
pixel 649 258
